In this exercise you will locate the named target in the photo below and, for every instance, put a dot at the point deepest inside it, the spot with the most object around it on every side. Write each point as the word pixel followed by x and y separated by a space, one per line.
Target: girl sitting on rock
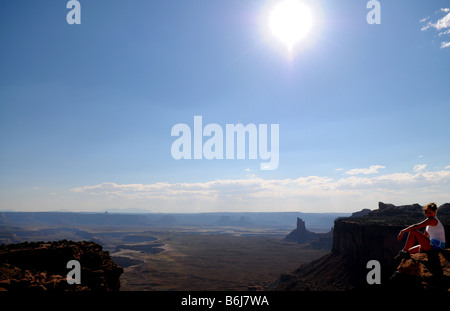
pixel 433 238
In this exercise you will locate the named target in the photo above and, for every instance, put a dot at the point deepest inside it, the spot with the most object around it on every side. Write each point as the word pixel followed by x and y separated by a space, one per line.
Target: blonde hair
pixel 431 206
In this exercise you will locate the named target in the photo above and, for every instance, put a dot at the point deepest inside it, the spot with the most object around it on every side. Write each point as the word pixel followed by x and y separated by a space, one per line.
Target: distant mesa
pixel 242 221
pixel 168 220
pixel 60 224
pixel 301 235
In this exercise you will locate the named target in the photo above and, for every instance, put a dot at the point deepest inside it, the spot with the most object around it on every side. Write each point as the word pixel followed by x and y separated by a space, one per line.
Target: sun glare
pixel 290 21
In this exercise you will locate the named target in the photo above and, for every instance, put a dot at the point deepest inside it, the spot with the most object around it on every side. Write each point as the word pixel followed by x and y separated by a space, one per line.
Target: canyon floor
pixel 181 252
pixel 191 261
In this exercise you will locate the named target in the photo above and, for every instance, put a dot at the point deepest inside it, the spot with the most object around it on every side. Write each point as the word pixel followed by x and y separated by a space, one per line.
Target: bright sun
pixel 290 21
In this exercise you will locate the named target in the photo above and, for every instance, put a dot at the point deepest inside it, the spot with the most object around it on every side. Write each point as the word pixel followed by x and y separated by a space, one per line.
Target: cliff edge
pixel 42 266
pixel 371 235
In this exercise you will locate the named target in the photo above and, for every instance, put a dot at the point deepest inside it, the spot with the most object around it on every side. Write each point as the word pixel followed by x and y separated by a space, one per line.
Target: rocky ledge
pixel 42 266
pixel 430 271
pixel 372 235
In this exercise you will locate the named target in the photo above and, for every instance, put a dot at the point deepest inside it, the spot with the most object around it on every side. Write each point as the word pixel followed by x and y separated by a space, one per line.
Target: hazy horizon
pixel 87 110
pixel 142 211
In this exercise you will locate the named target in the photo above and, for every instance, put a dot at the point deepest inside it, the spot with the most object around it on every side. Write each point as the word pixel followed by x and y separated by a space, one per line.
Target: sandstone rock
pixel 424 271
pixel 301 235
pixel 39 266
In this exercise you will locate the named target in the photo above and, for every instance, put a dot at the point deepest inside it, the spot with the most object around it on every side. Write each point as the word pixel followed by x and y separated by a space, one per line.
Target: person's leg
pixel 415 249
pixel 413 236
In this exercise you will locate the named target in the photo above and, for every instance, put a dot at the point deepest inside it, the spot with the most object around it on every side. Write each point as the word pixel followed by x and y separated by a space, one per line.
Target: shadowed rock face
pixel 371 235
pixel 374 236
pixel 41 266
pixel 315 240
pixel 300 234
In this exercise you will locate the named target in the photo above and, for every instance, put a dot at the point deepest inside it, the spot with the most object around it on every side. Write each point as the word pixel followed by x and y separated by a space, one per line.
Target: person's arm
pixel 426 222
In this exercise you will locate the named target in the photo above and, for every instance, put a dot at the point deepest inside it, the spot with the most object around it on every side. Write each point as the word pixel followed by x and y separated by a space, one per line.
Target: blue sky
pixel 86 111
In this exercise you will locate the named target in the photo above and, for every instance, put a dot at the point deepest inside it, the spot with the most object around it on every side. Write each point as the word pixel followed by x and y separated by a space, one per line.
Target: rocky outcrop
pixel 357 240
pixel 374 236
pixel 426 271
pixel 42 266
pixel 300 234
pixel 315 240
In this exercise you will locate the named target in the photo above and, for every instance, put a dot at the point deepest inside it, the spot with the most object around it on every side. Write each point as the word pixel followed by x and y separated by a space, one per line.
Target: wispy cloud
pixel 442 25
pixel 371 170
pixel 443 33
pixel 419 167
pixel 312 193
pixel 445 45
